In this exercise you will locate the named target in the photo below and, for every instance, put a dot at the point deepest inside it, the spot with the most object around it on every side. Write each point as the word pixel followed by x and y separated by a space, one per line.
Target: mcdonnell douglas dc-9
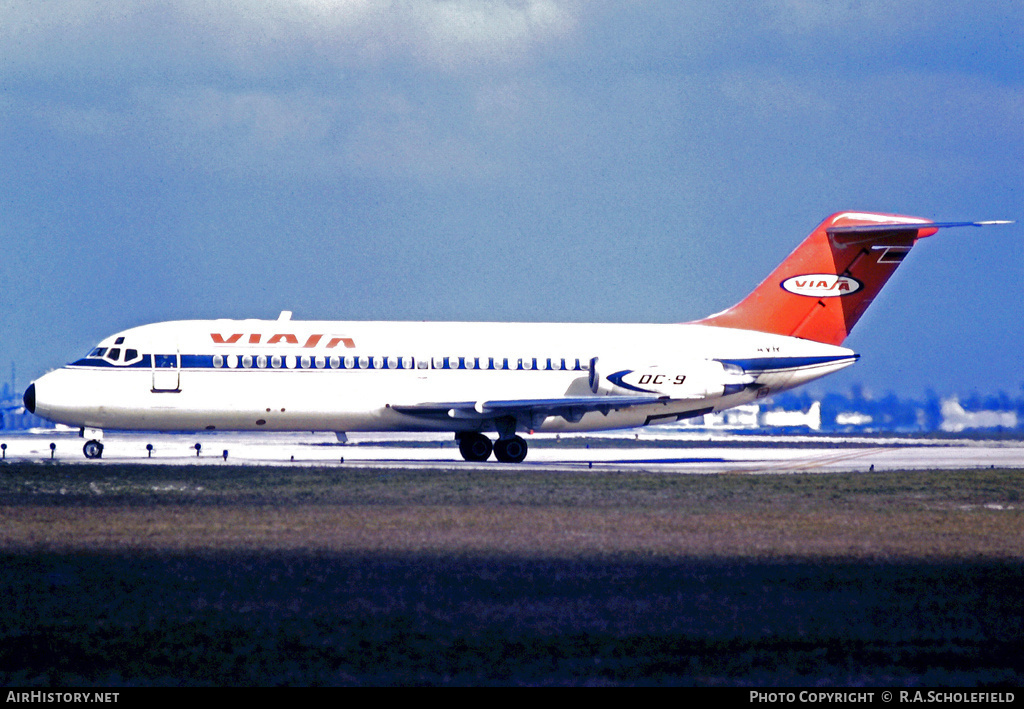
pixel 478 378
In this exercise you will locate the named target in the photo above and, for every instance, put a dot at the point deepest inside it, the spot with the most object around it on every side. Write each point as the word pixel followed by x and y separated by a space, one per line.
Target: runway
pixel 684 454
pixel 634 560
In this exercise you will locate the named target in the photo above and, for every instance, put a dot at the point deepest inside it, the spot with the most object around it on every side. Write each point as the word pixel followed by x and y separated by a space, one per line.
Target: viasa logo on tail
pixel 821 285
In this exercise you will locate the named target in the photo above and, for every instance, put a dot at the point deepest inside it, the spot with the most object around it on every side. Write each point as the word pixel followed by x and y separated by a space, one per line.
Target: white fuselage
pixel 284 375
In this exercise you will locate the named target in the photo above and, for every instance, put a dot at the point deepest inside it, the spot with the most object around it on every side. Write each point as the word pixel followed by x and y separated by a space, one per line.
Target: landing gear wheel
pixel 93 449
pixel 510 450
pixel 475 447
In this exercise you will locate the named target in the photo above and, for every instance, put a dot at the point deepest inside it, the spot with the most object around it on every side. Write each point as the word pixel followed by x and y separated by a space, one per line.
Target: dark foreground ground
pixel 248 576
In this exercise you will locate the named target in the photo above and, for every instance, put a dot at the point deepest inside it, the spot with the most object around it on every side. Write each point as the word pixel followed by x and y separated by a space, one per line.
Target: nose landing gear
pixel 93 449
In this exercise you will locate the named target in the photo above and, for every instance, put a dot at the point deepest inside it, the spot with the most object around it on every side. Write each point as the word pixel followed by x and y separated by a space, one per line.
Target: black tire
pixel 475 447
pixel 510 450
pixel 93 449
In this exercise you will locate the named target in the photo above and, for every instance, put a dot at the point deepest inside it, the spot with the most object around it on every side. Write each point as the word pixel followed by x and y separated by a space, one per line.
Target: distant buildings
pixel 838 413
pixel 754 416
pixel 13 416
pixel 955 419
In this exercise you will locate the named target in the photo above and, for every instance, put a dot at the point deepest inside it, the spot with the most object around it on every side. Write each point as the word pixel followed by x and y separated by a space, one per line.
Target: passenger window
pixel 218 361
pixel 320 362
pixel 246 361
pixel 335 362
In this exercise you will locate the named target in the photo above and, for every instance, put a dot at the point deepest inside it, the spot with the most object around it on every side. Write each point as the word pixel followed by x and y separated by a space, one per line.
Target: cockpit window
pixel 114 354
pixel 130 355
pixel 98 352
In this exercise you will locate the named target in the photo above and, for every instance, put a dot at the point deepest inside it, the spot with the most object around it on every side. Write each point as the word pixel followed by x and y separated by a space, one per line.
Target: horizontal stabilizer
pixel 866 228
pixel 846 234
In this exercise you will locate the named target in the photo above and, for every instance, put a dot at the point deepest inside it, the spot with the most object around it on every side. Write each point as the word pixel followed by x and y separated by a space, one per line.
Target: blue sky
pixel 535 160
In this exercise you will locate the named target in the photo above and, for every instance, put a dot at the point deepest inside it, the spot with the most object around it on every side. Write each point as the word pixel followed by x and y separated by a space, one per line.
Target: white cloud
pixel 280 85
pixel 453 32
pixel 447 34
pixel 293 135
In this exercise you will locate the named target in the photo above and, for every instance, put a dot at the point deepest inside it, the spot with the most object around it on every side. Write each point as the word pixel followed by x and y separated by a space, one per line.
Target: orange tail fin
pixel 821 290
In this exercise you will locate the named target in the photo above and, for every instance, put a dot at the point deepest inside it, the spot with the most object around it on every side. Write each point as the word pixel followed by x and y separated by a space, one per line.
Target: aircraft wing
pixel 571 408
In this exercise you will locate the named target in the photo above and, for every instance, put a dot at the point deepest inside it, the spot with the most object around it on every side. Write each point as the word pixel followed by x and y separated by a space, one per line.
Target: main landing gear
pixel 476 447
pixel 510 450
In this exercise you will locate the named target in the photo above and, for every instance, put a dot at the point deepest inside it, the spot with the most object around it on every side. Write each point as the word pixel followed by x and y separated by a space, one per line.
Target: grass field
pixel 241 576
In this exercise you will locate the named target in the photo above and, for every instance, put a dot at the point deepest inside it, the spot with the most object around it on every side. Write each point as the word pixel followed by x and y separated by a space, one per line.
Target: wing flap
pixel 572 408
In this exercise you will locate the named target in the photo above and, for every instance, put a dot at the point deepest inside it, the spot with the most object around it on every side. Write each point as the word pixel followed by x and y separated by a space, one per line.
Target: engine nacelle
pixel 686 379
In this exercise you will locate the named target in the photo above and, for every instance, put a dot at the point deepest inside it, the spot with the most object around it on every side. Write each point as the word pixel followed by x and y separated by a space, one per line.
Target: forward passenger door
pixel 167 372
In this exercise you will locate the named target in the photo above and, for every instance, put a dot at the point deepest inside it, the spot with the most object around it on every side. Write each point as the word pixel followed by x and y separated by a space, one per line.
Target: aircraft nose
pixel 30 399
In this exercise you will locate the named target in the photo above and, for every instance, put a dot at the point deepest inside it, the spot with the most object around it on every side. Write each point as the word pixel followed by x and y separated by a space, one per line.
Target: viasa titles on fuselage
pixel 478 378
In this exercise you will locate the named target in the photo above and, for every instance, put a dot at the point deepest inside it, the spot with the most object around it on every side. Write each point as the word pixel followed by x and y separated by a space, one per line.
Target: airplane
pixel 477 378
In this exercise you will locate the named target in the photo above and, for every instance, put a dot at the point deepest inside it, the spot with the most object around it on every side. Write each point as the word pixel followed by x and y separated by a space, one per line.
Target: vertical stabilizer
pixel 821 290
